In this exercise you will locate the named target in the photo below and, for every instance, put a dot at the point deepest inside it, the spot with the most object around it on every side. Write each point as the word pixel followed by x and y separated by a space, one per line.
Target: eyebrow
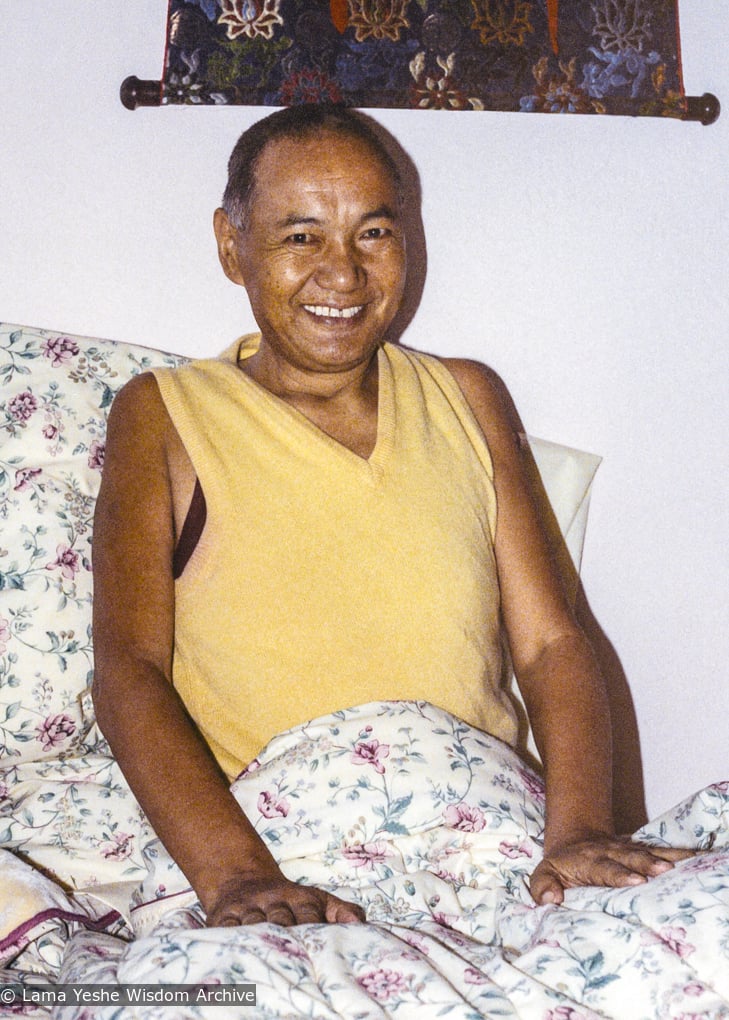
pixel 295 219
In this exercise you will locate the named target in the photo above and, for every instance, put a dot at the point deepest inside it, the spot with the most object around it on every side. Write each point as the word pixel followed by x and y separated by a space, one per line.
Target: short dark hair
pixel 294 122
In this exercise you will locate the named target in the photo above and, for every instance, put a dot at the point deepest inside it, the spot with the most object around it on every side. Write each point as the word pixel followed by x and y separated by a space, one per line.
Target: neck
pixel 299 386
pixel 342 404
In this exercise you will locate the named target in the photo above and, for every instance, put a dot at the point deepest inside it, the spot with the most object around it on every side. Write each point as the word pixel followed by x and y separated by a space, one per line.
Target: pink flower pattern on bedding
pixel 451 929
pixel 55 394
pixel 432 826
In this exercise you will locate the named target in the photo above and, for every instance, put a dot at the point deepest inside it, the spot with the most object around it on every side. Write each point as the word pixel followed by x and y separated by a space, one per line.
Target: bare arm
pixel 168 765
pixel 558 674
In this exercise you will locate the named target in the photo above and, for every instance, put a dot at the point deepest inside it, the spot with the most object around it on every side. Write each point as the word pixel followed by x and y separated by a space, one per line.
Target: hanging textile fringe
pixel 545 56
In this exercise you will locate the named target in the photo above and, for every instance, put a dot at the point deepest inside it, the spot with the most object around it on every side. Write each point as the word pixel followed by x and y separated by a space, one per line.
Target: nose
pixel 340 267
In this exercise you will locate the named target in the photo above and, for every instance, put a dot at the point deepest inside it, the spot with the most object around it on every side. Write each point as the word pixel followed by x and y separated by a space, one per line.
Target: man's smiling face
pixel 321 254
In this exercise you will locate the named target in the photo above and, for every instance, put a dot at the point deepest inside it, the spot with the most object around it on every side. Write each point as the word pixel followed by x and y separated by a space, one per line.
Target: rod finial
pixel 134 92
pixel 705 109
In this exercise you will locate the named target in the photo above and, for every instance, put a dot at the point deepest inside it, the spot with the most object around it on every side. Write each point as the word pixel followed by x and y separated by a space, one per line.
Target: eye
pixel 300 238
pixel 376 233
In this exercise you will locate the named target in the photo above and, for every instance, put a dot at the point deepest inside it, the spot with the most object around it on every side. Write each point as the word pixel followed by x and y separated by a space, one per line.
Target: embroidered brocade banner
pixel 548 56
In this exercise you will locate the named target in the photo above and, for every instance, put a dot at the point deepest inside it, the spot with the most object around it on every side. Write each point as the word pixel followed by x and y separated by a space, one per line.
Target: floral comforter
pixel 434 828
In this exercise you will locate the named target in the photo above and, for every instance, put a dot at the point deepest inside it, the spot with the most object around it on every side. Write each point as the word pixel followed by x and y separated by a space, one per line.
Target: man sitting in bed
pixel 321 518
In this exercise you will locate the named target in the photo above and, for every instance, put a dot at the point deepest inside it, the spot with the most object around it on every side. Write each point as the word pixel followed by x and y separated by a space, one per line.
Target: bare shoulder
pixel 137 437
pixel 138 403
pixel 140 427
pixel 145 456
pixel 472 373
pixel 488 397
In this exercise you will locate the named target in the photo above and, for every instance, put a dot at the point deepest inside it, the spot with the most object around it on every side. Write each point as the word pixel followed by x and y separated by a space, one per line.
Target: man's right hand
pixel 279 901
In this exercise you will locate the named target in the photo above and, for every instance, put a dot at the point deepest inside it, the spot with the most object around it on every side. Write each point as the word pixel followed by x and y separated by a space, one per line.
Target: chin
pixel 343 350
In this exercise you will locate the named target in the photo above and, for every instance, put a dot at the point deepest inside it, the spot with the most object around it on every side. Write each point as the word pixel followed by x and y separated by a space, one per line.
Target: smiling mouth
pixel 327 312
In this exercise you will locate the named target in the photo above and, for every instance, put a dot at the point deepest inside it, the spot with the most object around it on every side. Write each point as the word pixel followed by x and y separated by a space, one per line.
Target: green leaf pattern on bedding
pixel 55 394
pixel 451 930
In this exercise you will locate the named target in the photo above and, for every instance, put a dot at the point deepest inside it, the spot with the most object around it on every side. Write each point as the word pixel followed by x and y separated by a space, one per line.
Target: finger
pixel 617 874
pixel 673 854
pixel 669 853
pixel 310 913
pixel 232 917
pixel 613 866
pixel 639 864
pixel 281 914
pixel 545 886
pixel 252 915
pixel 340 912
pixel 647 860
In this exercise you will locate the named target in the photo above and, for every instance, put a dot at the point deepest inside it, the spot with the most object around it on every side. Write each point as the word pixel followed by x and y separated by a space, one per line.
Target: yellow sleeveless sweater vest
pixel 323 580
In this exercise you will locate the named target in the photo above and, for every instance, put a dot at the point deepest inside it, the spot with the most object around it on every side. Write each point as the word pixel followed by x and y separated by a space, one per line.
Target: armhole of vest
pixel 464 412
pixel 192 529
pixel 470 423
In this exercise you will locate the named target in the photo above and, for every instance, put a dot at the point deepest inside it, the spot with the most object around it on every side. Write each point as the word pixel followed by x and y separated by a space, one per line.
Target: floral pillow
pixel 55 393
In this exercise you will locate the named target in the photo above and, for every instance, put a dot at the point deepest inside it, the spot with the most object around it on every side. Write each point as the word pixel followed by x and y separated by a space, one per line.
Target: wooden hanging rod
pixel 134 92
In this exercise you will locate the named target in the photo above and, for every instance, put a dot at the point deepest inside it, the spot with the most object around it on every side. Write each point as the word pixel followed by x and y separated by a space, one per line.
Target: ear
pixel 228 242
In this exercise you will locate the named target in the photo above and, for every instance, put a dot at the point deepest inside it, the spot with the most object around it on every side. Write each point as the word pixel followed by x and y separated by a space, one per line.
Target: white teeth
pixel 325 311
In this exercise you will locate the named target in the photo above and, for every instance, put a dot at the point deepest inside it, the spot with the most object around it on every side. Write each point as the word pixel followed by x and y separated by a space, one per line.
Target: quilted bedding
pixel 434 828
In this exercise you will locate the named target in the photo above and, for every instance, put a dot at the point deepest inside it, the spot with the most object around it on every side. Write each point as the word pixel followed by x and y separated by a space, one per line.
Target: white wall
pixel 585 258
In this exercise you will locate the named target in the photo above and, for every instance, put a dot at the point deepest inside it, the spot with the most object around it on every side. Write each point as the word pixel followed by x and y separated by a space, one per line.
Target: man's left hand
pixel 614 861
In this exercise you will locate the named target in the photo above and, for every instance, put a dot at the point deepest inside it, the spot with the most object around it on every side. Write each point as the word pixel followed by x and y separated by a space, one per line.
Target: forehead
pixel 324 162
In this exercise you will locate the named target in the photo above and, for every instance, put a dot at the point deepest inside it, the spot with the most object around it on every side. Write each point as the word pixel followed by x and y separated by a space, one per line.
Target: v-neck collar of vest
pixel 372 466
